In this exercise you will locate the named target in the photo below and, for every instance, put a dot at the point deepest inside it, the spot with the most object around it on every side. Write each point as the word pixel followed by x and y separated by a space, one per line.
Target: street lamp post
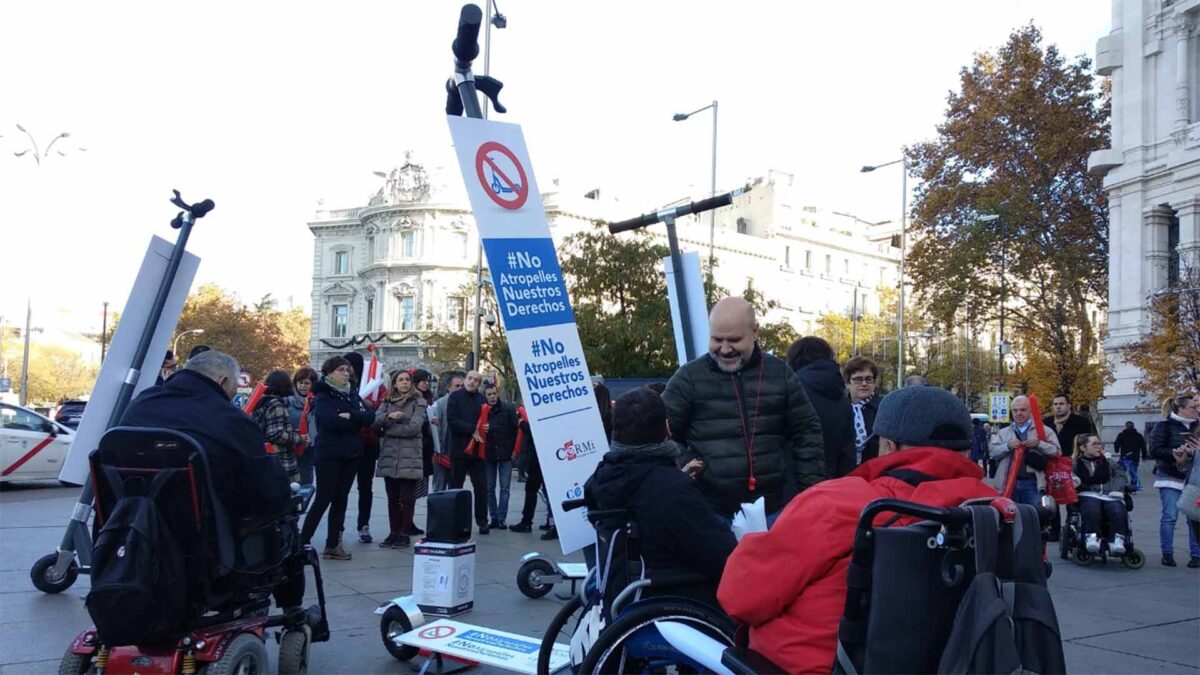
pixel 175 346
pixel 712 223
pixel 38 153
pixel 500 21
pixel 104 333
pixel 1001 349
pixel 903 162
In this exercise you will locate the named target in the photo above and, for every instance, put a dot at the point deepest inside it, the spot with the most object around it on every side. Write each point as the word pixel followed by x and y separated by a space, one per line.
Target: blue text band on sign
pixel 529 284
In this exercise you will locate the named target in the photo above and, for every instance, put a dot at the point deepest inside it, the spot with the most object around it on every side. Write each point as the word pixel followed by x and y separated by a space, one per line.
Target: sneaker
pixel 483 529
pixel 1194 562
pixel 1117 545
pixel 521 527
pixel 338 553
pixel 1091 543
pixel 364 534
pixel 551 534
pixel 389 541
pixel 500 526
pixel 402 541
pixel 1168 560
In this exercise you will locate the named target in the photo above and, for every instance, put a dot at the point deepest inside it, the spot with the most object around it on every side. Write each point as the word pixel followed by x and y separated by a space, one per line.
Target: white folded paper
pixel 750 518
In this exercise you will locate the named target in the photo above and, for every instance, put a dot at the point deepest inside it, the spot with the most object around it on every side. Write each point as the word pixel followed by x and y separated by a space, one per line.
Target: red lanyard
pixel 748 436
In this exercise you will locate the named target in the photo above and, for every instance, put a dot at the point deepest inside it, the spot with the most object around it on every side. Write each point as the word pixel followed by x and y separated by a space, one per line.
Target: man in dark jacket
pixel 501 436
pixel 745 416
pixel 680 533
pixel 1131 447
pixel 365 479
pixel 248 481
pixel 812 359
pixel 1065 423
pixel 468 447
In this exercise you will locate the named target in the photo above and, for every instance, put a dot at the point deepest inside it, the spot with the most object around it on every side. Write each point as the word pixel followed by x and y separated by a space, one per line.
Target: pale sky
pixel 267 107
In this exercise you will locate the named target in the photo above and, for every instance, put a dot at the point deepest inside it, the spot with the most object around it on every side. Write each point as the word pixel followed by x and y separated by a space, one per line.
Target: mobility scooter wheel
pixel 293 651
pixel 393 624
pixel 42 575
pixel 75 664
pixel 245 655
pixel 529 578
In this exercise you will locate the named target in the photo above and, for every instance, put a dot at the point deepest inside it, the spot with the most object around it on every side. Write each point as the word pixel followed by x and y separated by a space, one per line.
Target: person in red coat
pixel 924 442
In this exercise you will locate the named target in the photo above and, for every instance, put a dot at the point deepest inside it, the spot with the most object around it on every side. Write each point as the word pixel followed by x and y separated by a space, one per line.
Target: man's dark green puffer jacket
pixel 714 414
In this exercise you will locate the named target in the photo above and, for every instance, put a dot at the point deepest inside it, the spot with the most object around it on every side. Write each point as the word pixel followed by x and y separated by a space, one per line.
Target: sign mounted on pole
pixel 535 312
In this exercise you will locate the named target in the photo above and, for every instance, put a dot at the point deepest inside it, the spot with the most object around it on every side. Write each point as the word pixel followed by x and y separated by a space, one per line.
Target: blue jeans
pixel 1025 491
pixel 501 469
pixel 1166 528
pixel 1131 468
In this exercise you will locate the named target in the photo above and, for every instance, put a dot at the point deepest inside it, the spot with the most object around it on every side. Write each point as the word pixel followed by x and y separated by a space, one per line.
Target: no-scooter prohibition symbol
pixel 504 180
pixel 437 632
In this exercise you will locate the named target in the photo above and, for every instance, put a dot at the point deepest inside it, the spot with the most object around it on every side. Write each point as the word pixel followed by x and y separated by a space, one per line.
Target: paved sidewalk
pixel 1113 620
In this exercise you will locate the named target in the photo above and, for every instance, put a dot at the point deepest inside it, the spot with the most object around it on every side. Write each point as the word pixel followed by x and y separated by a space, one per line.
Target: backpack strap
pixel 985 528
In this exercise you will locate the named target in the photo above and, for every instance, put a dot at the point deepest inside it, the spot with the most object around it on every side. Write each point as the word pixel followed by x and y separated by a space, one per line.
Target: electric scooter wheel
pixel 1134 559
pixel 75 664
pixel 42 575
pixel 529 578
pixel 293 651
pixel 392 625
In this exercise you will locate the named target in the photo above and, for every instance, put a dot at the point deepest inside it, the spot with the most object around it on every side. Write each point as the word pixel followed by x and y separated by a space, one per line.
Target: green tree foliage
pixel 1015 143
pixel 55 372
pixel 260 337
pixel 1169 355
pixel 448 349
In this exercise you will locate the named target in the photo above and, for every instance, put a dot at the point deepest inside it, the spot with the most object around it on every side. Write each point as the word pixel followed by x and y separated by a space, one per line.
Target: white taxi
pixel 32 447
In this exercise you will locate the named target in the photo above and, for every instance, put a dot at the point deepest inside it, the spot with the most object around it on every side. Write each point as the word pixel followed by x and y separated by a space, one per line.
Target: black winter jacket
pixel 1130 444
pixel 869 410
pixel 713 415
pixel 462 416
pixel 826 391
pixel 248 481
pixel 1164 438
pixel 679 531
pixel 1074 426
pixel 339 438
pixel 502 431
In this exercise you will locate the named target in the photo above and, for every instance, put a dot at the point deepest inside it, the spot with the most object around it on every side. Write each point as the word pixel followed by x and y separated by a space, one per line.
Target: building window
pixel 408 318
pixel 460 244
pixel 456 314
pixel 1173 250
pixel 787 257
pixel 882 274
pixel 808 260
pixel 407 241
pixel 341 262
pixel 341 320
pixel 828 265
pixel 743 226
pixel 370 314
pixel 845 267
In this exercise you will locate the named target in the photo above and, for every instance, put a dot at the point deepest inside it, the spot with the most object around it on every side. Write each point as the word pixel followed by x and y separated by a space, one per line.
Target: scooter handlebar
pixel 685 210
pixel 466 43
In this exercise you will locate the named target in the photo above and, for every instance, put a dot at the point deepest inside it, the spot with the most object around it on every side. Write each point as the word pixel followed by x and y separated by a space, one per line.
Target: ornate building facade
pixel 1151 174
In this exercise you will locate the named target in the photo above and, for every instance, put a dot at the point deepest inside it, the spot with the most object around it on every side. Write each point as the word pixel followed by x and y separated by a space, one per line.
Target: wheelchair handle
pixel 572 504
pixel 946 516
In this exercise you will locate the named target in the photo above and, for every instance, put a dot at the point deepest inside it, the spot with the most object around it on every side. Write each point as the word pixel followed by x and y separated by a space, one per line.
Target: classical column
pixel 1189 233
pixel 1183 34
pixel 1155 220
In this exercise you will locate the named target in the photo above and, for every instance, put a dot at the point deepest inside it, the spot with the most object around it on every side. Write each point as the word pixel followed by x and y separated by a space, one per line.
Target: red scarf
pixel 303 430
pixel 520 433
pixel 475 448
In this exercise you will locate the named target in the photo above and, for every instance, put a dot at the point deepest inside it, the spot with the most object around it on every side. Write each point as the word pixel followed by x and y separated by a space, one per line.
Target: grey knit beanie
pixel 924 416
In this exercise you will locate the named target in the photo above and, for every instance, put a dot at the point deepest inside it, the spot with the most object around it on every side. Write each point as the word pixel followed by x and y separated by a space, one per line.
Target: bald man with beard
pixel 742 417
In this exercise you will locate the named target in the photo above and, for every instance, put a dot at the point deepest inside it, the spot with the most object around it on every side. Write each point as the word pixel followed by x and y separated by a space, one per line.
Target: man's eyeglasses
pixel 868 379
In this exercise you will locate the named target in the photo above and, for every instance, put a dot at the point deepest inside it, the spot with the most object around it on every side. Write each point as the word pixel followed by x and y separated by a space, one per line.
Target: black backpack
pixel 139 583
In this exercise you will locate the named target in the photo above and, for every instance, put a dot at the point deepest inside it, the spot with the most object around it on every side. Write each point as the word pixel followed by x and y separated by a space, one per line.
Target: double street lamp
pixel 903 162
pixel 712 223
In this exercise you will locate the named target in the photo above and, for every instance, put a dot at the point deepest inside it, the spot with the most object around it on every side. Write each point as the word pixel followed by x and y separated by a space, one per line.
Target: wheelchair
pixel 1071 544
pixel 612 621
pixel 231 567
pixel 918 571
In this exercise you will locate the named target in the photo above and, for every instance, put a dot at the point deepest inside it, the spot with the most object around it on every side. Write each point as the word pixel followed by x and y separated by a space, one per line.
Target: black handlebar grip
pixel 633 223
pixel 572 504
pixel 712 203
pixel 466 44
pixel 200 210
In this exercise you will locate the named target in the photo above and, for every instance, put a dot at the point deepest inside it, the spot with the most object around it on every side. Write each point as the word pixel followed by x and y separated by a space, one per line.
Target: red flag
pixel 255 397
pixel 520 444
pixel 476 449
pixel 303 430
pixel 1037 418
pixel 373 388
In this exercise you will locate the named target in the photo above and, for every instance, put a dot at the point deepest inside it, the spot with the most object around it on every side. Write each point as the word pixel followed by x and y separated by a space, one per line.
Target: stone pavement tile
pixel 1074 622
pixel 1085 659
pixel 1173 643
pixel 32 667
pixel 18 581
pixel 34 606
pixel 30 641
pixel 371 580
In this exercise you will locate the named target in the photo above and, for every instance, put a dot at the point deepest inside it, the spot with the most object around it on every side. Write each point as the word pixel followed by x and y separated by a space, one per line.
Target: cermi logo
pixel 572 450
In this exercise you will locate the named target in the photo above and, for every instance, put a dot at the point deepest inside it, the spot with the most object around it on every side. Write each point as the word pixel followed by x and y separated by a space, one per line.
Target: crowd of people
pixel 814 440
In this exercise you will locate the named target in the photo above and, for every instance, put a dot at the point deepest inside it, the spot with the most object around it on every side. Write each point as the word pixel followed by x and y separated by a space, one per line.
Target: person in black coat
pixel 1130 447
pixel 468 450
pixel 1173 445
pixel 680 533
pixel 862 377
pixel 501 437
pixel 196 401
pixel 812 359
pixel 340 415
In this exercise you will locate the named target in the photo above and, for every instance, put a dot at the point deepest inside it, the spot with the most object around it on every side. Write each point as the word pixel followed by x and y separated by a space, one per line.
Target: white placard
pixel 124 344
pixel 694 286
pixel 495 648
pixel 536 314
pixel 998 402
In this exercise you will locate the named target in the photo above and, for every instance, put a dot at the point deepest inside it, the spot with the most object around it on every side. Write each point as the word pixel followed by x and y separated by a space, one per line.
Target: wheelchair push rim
pixel 610 653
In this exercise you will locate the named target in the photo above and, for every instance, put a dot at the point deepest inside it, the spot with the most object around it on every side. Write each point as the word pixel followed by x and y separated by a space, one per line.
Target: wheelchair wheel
pixel 557 630
pixel 245 655
pixel 609 653
pixel 392 625
pixel 529 578
pixel 42 575
pixel 75 664
pixel 1134 559
pixel 293 652
pixel 1083 557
